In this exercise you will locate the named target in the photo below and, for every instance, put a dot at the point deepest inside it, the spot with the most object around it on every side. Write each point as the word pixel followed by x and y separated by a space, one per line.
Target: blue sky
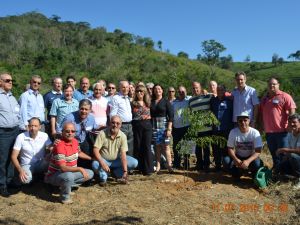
pixel 257 28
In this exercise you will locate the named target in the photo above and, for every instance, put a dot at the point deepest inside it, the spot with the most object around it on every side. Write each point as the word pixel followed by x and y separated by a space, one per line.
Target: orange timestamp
pixel 250 207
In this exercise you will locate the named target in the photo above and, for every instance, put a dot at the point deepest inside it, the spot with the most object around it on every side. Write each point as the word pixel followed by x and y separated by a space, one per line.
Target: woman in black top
pixel 162 118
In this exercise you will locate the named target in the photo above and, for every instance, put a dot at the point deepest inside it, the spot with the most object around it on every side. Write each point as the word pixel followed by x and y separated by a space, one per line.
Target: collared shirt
pixel 273 110
pixel 293 140
pixel 99 110
pixel 244 101
pixel 120 106
pixel 244 143
pixel 60 108
pixel 110 149
pixel 178 107
pixel 32 105
pixel 31 150
pixel 82 127
pixel 49 97
pixel 223 110
pixel 79 95
pixel 63 153
pixel 9 110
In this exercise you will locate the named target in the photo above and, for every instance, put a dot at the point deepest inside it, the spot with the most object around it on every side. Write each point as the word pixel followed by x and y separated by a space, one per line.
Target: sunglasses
pixel 8 80
pixel 139 91
pixel 70 131
pixel 111 88
pixel 171 91
pixel 36 82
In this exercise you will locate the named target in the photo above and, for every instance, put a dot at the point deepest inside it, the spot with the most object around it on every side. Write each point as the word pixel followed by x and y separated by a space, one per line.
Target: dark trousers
pixel 203 154
pixel 7 140
pixel 127 130
pixel 87 147
pixel 220 152
pixel 178 134
pixel 142 132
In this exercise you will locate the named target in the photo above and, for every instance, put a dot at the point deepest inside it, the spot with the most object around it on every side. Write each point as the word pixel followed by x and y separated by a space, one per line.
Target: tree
pixel 212 50
pixel 159 45
pixel 183 55
pixel 295 55
pixel 226 62
pixel 275 58
pixel 247 59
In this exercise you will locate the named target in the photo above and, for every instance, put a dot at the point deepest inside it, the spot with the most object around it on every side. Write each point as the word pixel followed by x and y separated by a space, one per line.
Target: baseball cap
pixel 244 114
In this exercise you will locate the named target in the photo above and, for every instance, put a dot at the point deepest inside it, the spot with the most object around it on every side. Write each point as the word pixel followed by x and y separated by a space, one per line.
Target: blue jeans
pixel 115 165
pixel 276 141
pixel 7 140
pixel 38 167
pixel 236 172
pixel 66 180
pixel 291 164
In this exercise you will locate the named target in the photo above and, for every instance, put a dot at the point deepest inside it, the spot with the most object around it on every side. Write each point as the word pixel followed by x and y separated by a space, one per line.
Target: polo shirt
pixel 32 105
pixel 49 97
pixel 274 111
pixel 31 150
pixel 99 110
pixel 9 110
pixel 110 149
pixel 64 153
pixel 79 95
pixel 60 108
pixel 293 140
pixel 244 101
pixel 120 105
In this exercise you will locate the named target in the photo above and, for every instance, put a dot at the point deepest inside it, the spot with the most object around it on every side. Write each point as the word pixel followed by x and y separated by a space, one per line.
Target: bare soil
pixel 192 198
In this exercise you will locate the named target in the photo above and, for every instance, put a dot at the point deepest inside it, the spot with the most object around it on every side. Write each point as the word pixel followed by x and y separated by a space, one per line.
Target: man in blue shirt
pixel 32 103
pixel 222 108
pixel 9 130
pixel 84 123
pixel 83 92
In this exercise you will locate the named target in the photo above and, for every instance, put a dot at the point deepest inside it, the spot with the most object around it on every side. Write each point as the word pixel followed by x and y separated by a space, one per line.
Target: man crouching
pixel 63 170
pixel 110 153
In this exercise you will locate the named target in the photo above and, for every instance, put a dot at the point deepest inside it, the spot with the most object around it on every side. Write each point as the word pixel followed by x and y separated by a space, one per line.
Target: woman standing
pixel 162 118
pixel 142 129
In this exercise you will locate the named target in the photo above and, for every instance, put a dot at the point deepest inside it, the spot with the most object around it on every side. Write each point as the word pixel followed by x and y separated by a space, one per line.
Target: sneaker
pixel 67 201
pixel 4 192
pixel 102 183
pixel 297 185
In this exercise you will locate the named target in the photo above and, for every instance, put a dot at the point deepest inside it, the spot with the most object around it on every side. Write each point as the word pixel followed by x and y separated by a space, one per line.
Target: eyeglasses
pixel 139 91
pixel 171 91
pixel 7 80
pixel 70 131
pixel 36 82
pixel 111 88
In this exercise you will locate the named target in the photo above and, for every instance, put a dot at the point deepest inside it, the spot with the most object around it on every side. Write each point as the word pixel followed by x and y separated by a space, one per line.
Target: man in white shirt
pixel 30 147
pixel 244 147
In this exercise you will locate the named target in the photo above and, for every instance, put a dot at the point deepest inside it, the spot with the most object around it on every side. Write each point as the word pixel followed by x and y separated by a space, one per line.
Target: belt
pixel 126 122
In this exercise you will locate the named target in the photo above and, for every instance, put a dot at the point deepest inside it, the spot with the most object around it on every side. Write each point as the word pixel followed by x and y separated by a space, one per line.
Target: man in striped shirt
pixel 63 170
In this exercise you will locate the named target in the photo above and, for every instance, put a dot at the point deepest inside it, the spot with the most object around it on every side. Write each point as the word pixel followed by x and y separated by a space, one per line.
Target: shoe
pixel 296 187
pixel 67 201
pixel 170 170
pixel 102 183
pixel 122 181
pixel 4 193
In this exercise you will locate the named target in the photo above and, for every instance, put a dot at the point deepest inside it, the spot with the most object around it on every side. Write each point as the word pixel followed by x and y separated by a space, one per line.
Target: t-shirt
pixel 63 153
pixel 31 150
pixel 110 149
pixel 293 141
pixel 99 110
pixel 244 143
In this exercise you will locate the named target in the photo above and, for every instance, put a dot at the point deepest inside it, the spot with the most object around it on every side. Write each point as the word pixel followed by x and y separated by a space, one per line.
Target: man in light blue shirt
pixel 83 92
pixel 32 103
pixel 244 99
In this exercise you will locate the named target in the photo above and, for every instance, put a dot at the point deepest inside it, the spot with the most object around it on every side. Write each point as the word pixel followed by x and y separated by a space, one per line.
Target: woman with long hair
pixel 162 119
pixel 142 129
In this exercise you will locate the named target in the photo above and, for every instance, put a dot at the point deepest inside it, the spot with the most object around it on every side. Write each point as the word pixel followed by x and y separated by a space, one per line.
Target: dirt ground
pixel 197 198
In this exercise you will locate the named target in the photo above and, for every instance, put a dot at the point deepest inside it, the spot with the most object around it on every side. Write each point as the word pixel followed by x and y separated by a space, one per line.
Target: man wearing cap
pixel 244 147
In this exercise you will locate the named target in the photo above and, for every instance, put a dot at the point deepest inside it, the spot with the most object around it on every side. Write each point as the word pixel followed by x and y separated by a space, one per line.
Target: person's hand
pixel 84 173
pixel 238 163
pixel 56 141
pixel 105 167
pixel 168 133
pixel 23 176
pixel 245 164
pixel 281 151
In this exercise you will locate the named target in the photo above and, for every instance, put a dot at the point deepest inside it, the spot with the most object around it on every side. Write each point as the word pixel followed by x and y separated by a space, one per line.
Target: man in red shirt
pixel 275 108
pixel 63 170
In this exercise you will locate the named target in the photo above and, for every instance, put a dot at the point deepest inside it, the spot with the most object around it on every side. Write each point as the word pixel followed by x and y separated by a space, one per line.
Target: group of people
pixel 69 136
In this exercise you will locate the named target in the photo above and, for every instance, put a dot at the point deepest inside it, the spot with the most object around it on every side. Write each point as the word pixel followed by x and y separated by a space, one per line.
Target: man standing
pixel 275 108
pixel 30 149
pixel 121 106
pixel 83 92
pixel 32 103
pixel 63 170
pixel 244 99
pixel 9 130
pixel 201 102
pixel 244 147
pixel 110 152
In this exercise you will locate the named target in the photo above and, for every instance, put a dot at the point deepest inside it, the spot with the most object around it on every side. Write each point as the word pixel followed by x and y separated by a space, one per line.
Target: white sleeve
pixel 231 139
pixel 257 140
pixel 18 142
pixel 114 106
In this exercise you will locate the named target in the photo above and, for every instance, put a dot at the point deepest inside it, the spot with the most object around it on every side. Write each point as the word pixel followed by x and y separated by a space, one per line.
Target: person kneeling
pixel 244 147
pixel 110 153
pixel 63 170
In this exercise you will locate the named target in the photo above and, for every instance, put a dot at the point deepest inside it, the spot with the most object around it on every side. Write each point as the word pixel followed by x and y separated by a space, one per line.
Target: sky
pixel 258 28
